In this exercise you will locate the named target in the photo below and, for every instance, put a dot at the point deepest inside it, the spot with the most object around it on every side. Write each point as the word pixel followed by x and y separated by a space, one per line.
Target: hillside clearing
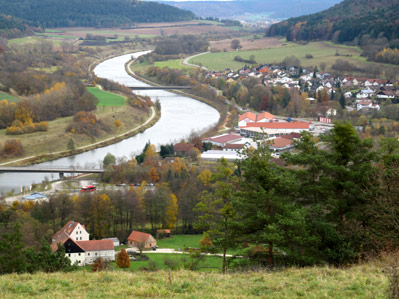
pixel 106 98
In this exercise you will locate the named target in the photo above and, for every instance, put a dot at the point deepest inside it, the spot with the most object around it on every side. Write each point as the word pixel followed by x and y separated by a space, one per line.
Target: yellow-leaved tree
pixel 171 212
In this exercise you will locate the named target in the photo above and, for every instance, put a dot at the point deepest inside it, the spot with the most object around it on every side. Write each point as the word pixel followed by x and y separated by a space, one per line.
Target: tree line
pixel 92 13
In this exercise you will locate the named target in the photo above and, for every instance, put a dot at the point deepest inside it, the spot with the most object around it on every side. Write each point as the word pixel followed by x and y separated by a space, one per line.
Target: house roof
pixel 63 234
pixel 280 142
pixel 183 147
pixel 167 231
pixel 224 138
pixel 292 136
pixel 138 236
pixel 250 115
pixel 96 245
pixel 35 196
pixel 279 125
pixel 266 115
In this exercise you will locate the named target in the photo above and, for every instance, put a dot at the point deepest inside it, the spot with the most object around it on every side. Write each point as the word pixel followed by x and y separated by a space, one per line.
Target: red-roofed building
pixel 280 125
pixel 280 144
pixel 137 238
pixel 224 139
pixel 183 149
pixel 264 117
pixel 78 248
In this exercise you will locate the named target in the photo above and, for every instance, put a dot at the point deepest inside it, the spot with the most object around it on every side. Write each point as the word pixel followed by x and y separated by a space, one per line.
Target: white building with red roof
pixel 78 248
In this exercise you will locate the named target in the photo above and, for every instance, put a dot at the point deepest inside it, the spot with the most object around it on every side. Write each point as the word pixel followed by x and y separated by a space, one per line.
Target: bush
pixel 122 259
pixel 99 265
pixel 309 56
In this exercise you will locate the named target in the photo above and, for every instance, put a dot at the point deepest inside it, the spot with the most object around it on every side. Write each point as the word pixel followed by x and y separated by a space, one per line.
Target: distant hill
pixel 344 22
pixel 91 13
pixel 249 8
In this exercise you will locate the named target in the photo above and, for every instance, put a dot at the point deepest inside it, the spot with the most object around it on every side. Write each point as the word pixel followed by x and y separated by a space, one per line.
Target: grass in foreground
pixel 106 98
pixel 364 281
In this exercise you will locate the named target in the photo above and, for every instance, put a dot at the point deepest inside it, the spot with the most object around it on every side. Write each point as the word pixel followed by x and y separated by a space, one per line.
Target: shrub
pixel 122 259
pixel 99 265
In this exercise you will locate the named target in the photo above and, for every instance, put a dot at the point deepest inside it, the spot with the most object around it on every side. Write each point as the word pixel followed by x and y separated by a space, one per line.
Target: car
pixel 121 185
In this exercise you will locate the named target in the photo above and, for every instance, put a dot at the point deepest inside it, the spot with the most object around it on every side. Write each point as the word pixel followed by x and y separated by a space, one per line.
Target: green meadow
pixel 6 96
pixel 321 52
pixel 106 98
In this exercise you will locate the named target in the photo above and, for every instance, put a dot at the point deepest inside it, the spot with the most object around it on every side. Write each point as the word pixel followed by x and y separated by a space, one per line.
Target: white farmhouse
pixel 78 248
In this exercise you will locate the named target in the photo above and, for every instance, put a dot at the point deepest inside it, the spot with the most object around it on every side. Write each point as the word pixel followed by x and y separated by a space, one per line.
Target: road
pixel 185 61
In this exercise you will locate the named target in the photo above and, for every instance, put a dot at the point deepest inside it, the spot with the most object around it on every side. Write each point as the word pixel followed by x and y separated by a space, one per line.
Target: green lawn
pixel 106 98
pixel 321 52
pixel 180 241
pixel 173 64
pixel 23 40
pixel 6 96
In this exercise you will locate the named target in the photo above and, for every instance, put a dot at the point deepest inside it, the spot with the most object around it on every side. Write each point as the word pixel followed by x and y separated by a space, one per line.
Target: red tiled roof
pixel 167 231
pixel 183 147
pixel 96 245
pixel 292 136
pixel 279 125
pixel 250 115
pixel 266 115
pixel 225 138
pixel 365 103
pixel 138 236
pixel 280 142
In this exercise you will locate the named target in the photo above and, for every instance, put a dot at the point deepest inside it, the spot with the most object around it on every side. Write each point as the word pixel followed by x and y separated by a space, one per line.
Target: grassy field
pixel 180 241
pixel 321 52
pixel 173 64
pixel 364 281
pixel 24 40
pixel 209 264
pixel 6 96
pixel 106 98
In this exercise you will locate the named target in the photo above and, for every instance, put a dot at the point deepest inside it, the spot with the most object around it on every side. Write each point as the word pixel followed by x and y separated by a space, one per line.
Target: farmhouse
pixel 137 238
pixel 78 248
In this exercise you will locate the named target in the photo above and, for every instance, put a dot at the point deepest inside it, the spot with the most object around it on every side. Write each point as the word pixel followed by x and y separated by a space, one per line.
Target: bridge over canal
pixel 59 169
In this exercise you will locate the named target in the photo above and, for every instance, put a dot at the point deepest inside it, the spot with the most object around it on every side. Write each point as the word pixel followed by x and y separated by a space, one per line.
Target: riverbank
pixel 149 122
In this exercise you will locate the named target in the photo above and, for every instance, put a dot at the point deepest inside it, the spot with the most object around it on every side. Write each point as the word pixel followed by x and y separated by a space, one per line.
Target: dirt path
pixel 185 61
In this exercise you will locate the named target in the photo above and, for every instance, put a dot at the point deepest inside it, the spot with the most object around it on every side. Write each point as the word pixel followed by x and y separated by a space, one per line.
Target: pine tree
pixel 12 257
pixel 342 101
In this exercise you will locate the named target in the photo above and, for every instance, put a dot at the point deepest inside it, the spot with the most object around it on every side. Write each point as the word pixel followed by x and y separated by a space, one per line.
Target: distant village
pixel 361 93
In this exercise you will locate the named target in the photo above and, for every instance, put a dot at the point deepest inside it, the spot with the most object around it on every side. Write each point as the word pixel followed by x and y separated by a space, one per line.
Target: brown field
pixel 192 27
pixel 248 44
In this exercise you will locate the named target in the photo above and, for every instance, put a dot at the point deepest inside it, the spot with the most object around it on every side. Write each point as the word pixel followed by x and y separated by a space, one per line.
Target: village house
pixel 366 104
pixel 280 144
pixel 183 149
pixel 137 239
pixel 78 248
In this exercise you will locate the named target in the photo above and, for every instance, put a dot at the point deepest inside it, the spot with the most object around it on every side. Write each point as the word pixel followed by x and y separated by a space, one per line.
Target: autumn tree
pixel 122 259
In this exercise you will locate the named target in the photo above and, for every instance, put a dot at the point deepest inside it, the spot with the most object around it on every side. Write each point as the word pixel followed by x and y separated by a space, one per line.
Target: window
pixel 88 254
pixel 96 253
pixel 79 253
pixel 69 254
pixel 77 238
pixel 81 238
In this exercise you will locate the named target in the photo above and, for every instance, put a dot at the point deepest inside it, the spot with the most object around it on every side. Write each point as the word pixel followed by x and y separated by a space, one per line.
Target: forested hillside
pixel 344 22
pixel 11 27
pixel 97 13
